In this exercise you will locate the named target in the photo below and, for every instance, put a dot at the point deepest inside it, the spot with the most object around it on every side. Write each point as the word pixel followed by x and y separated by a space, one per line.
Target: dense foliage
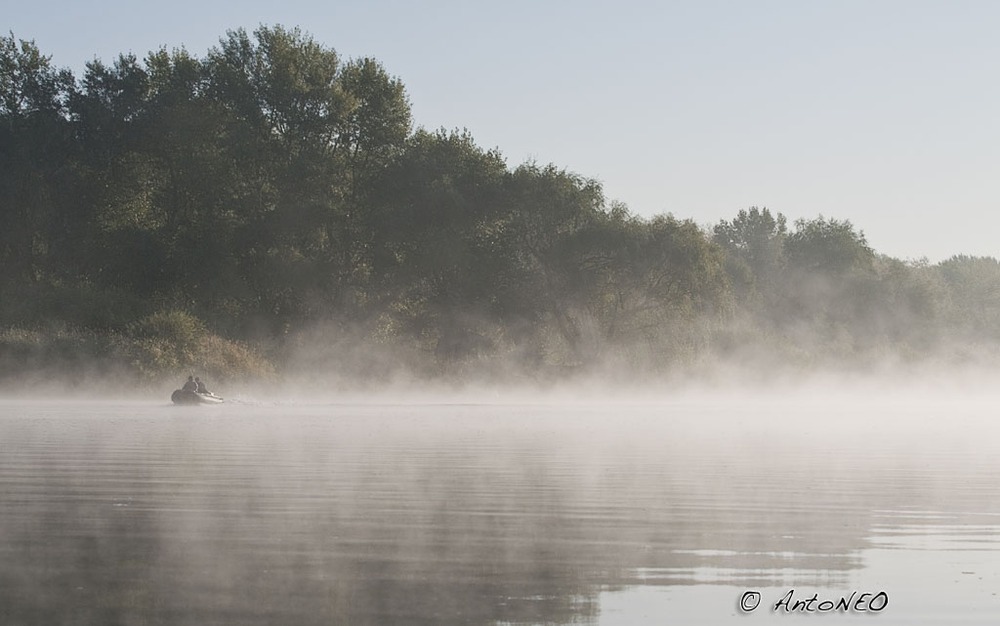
pixel 157 212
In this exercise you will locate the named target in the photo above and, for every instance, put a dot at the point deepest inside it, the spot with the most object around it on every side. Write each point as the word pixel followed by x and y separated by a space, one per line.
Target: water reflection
pixel 468 515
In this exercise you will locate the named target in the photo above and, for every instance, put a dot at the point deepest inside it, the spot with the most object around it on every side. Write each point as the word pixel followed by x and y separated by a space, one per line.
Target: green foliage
pixel 283 82
pixel 177 327
pixel 35 161
pixel 46 305
pixel 29 86
pixel 164 213
pixel 754 243
pixel 829 246
pixel 973 287
pixel 173 342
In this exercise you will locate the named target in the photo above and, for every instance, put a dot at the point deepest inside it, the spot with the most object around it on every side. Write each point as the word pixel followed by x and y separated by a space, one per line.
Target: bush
pixel 174 342
pixel 166 344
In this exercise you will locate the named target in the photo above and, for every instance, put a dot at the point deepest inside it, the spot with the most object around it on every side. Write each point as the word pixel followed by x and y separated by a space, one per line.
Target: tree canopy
pixel 271 188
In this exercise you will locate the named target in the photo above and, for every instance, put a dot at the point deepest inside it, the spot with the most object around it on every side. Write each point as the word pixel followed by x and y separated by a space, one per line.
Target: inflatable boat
pixel 180 396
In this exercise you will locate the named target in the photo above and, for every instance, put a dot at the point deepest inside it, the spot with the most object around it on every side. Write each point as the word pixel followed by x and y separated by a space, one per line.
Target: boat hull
pixel 180 396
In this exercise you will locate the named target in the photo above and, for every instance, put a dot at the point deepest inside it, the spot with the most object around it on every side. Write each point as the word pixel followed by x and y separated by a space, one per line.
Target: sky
pixel 882 112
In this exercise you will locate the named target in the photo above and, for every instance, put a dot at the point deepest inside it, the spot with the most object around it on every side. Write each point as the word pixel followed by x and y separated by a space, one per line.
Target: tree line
pixel 273 199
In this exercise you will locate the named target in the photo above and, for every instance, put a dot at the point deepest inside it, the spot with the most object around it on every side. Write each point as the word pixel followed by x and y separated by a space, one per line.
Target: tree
pixel 973 286
pixel 36 181
pixel 550 213
pixel 377 121
pixel 306 136
pixel 435 270
pixel 754 245
pixel 31 90
pixel 828 246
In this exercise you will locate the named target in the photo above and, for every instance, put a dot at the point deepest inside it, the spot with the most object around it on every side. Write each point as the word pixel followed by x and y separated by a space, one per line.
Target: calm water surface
pixel 601 513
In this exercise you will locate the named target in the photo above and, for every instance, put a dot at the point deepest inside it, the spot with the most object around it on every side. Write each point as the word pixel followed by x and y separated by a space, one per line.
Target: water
pixel 594 513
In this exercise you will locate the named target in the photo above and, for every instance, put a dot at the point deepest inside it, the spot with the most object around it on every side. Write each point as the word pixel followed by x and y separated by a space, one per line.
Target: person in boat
pixel 190 385
pixel 201 386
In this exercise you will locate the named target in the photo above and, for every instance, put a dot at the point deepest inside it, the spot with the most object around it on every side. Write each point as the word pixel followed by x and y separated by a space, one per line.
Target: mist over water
pixel 458 391
pixel 515 510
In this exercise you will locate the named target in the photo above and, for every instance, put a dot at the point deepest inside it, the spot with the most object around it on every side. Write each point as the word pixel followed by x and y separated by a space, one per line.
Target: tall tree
pixel 429 252
pixel 754 245
pixel 307 134
pixel 828 246
pixel 35 159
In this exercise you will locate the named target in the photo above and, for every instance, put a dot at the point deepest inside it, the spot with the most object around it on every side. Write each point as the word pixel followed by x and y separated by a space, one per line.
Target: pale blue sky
pixel 884 112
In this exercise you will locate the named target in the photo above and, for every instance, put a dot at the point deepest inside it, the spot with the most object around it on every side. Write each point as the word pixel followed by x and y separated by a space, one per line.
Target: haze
pixel 496 514
pixel 464 387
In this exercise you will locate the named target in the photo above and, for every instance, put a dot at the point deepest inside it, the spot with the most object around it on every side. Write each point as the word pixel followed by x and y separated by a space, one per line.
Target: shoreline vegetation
pixel 269 212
